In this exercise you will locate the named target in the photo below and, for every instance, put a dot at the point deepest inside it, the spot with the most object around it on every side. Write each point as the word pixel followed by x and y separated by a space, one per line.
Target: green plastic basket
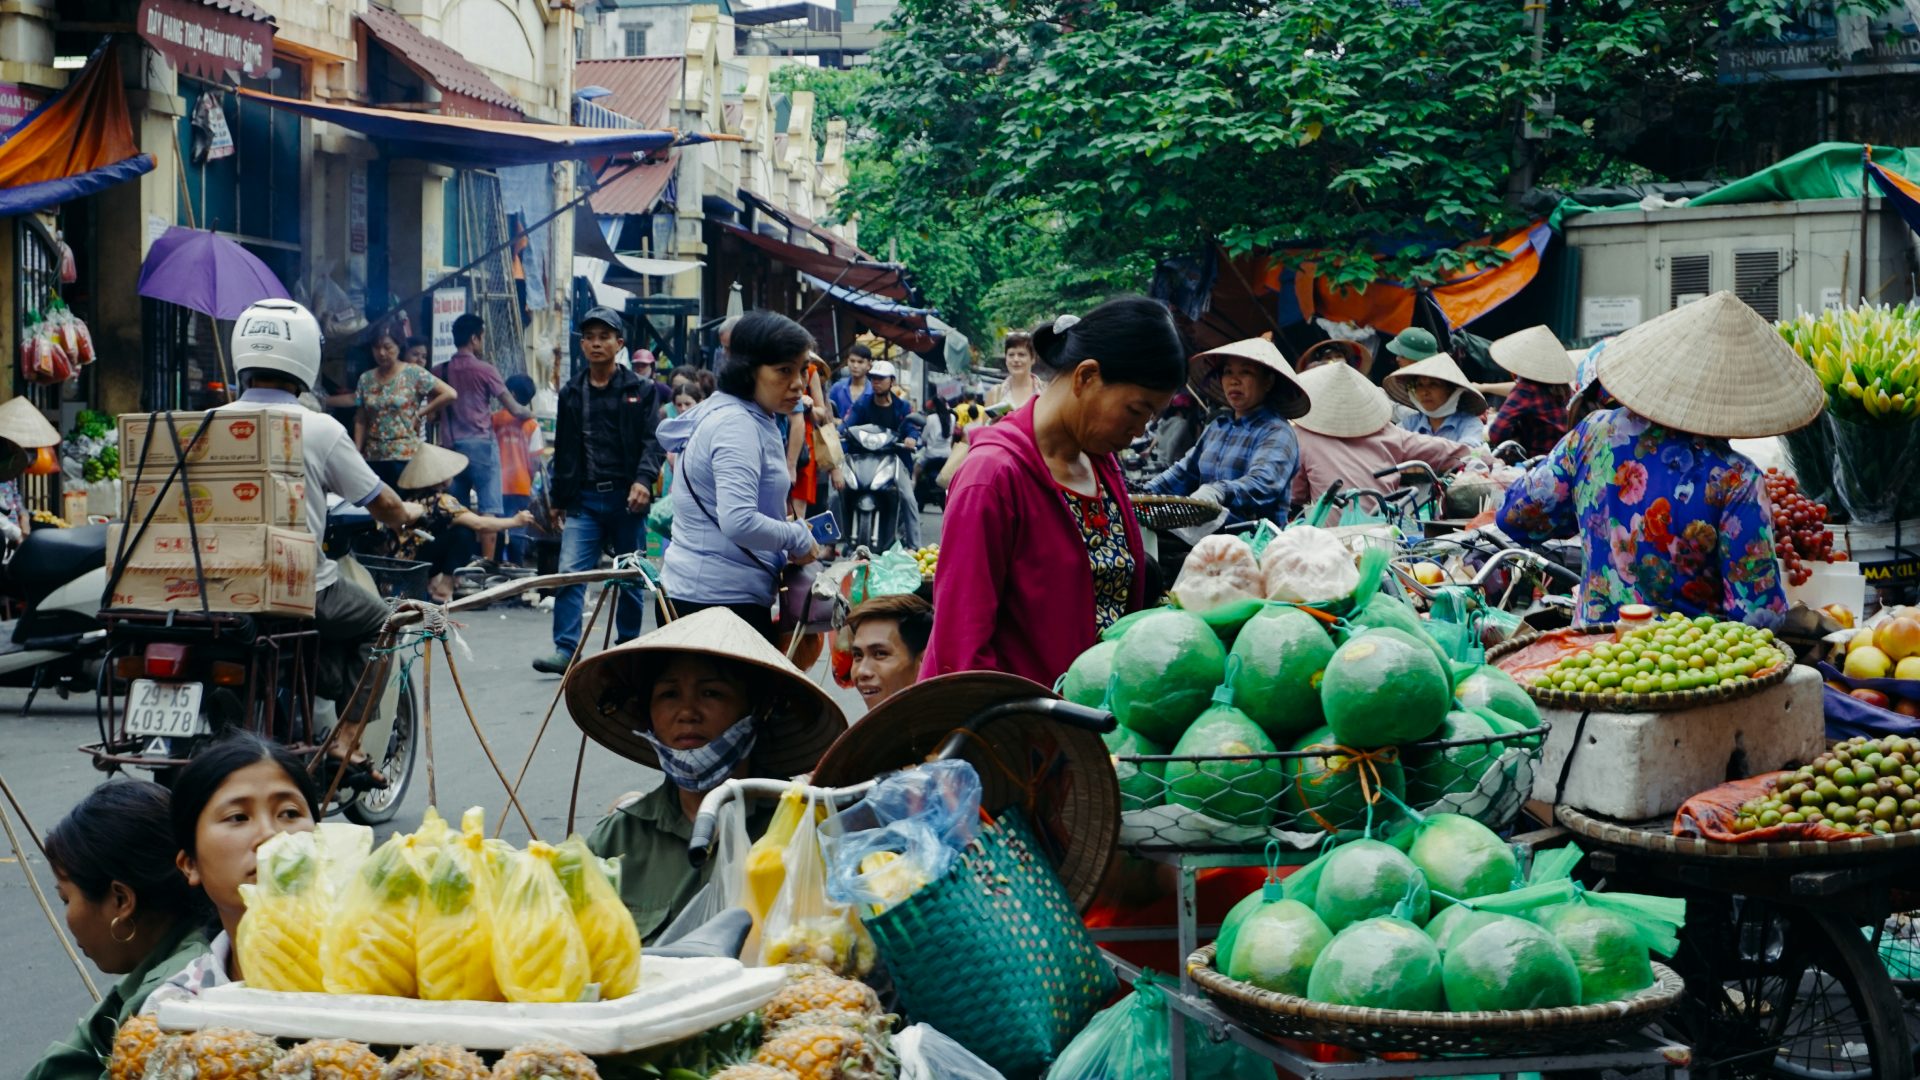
pixel 994 954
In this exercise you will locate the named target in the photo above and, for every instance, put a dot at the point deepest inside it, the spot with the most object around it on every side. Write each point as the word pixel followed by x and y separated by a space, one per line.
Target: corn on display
pixel 453 940
pixel 606 927
pixel 279 936
pixel 539 954
pixel 1867 358
pixel 368 946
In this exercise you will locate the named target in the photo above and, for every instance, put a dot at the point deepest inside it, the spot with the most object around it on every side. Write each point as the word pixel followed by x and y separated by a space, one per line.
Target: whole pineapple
pixel 826 1052
pixel 214 1054
pixel 819 992
pixel 328 1059
pixel 133 1045
pixel 544 1061
pixel 436 1061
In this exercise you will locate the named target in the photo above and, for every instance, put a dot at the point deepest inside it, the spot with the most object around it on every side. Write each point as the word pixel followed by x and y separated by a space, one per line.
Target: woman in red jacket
pixel 1039 549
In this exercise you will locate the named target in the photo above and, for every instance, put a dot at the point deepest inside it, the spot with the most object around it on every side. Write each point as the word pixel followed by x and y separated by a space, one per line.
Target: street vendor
pixel 1349 434
pixel 1335 351
pixel 23 431
pixel 1443 400
pixel 1246 457
pixel 702 699
pixel 1534 413
pixel 1670 514
pixel 446 535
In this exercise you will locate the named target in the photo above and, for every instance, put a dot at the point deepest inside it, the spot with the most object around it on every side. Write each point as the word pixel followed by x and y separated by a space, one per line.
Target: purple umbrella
pixel 206 272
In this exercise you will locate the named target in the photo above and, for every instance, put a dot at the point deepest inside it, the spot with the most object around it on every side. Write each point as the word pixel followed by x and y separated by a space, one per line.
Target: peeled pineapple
pixel 606 926
pixel 818 993
pixel 544 1061
pixel 453 943
pixel 827 1052
pixel 214 1054
pixel 538 952
pixel 837 942
pixel 279 936
pixel 436 1061
pixel 368 947
pixel 133 1044
pixel 328 1059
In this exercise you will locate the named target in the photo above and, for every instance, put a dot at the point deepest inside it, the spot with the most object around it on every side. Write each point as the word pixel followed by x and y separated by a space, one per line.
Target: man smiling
pixel 889 638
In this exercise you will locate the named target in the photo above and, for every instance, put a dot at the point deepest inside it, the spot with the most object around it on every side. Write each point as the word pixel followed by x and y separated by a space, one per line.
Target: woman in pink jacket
pixel 1039 550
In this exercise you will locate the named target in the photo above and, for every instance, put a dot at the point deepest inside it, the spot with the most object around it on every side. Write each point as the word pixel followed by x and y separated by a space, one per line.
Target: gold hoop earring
pixel 113 931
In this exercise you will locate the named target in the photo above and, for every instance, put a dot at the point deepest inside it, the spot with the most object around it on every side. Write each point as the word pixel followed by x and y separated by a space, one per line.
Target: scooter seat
pixel 50 558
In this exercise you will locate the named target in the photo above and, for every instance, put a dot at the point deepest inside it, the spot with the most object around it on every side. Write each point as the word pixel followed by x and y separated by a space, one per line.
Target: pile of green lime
pixel 1673 654
pixel 1861 785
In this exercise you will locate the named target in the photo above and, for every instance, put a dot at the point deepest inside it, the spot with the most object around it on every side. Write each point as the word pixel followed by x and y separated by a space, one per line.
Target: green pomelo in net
pixel 1142 784
pixel 1436 772
pixel 1383 688
pixel 1509 963
pixel 1494 689
pixel 1283 654
pixel 1165 672
pixel 1277 946
pixel 1462 858
pixel 1228 620
pixel 1230 926
pixel 1364 879
pixel 1454 923
pixel 1380 964
pixel 1382 611
pixel 1238 792
pixel 1086 681
pixel 1325 792
pixel 1607 951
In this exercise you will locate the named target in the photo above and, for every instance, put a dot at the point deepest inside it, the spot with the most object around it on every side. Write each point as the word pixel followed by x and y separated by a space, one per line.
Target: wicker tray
pixel 1657 838
pixel 1658 701
pixel 1164 513
pixel 1520 1031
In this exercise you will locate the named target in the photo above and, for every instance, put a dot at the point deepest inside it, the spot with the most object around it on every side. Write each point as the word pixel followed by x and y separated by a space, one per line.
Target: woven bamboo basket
pixel 1164 513
pixel 1659 701
pixel 1657 838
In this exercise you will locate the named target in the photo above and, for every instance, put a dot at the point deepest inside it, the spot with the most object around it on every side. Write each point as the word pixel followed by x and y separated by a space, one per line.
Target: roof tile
pixel 433 58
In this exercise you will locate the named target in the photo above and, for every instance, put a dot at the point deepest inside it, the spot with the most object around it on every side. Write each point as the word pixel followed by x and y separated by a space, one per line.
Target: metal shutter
pixel 1756 280
pixel 1688 278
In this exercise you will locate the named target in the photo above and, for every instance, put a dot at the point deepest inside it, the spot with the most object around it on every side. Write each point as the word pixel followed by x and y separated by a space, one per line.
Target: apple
pixel 1871 697
pixel 1908 668
pixel 1860 639
pixel 1427 573
pixel 1899 638
pixel 1867 662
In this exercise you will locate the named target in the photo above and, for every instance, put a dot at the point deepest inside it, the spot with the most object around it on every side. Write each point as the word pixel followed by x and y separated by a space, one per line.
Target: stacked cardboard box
pixel 239 502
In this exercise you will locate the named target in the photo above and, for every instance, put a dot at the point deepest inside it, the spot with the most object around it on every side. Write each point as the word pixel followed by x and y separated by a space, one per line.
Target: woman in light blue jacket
pixel 731 536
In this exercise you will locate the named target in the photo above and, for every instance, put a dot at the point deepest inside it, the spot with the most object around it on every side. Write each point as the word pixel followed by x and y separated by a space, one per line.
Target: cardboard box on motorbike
pixel 220 496
pixel 255 569
pixel 264 439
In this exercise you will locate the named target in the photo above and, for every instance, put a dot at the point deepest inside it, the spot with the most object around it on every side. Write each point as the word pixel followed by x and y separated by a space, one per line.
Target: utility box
pixel 1782 258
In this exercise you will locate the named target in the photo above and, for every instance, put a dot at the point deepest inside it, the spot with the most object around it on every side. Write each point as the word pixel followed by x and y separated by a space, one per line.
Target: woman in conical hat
pixel 1534 413
pixel 446 534
pixel 1444 401
pixel 23 430
pixel 1246 457
pixel 1349 434
pixel 1670 514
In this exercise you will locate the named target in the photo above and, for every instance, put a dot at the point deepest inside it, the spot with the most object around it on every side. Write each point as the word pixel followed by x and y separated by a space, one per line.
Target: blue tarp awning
pixel 76 143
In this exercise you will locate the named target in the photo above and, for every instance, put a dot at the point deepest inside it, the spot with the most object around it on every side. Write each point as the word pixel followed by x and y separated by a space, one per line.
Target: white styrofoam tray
pixel 677 998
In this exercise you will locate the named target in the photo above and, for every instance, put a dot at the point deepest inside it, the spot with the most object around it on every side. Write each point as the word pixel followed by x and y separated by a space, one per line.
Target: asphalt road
pixel 44 996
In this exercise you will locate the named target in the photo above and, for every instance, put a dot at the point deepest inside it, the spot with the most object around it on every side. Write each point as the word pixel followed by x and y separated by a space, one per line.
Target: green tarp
pixel 1821 171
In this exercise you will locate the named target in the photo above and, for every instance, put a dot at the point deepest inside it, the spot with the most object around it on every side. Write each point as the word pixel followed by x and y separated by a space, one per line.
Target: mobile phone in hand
pixel 996 411
pixel 825 529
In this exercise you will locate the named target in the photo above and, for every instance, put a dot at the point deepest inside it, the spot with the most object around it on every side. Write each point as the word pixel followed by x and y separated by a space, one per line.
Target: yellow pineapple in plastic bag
pixel 538 952
pixel 368 946
pixel 453 939
pixel 434 832
pixel 766 859
pixel 279 936
pixel 606 926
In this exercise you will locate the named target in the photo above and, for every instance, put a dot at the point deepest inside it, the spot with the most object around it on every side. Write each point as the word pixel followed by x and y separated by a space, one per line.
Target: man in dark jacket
pixel 605 462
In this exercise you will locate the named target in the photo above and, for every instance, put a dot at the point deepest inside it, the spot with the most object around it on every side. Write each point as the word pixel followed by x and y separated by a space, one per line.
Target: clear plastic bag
pixel 804 926
pixel 453 939
pixel 1220 570
pixel 538 952
pixel 369 945
pixel 925 1054
pixel 279 936
pixel 726 883
pixel 606 927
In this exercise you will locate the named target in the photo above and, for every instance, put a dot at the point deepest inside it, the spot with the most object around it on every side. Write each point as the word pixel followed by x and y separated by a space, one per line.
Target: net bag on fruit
pixel 1711 815
pixel 279 936
pixel 606 927
pixel 805 925
pixel 454 934
pixel 1220 571
pixel 1132 1040
pixel 1611 936
pixel 538 953
pixel 369 941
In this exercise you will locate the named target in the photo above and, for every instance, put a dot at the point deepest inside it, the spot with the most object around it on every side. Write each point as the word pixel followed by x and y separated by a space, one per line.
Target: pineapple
pixel 437 1061
pixel 328 1059
pixel 818 992
pixel 214 1054
pixel 279 936
pixel 606 927
pixel 368 947
pixel 544 1061
pixel 880 1026
pixel 133 1044
pixel 751 1072
pixel 538 952
pixel 822 1052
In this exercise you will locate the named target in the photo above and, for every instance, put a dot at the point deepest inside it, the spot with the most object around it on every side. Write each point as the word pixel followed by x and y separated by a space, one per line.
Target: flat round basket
pixel 1164 513
pixel 1657 838
pixel 1521 1031
pixel 1528 654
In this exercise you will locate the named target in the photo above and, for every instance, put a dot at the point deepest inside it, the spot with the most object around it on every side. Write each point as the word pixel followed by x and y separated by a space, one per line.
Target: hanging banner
pixel 206 41
pixel 16 103
pixel 448 305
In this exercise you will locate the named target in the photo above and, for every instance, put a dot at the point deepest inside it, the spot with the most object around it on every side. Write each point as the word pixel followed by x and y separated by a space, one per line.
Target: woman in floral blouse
pixel 394 399
pixel 1669 514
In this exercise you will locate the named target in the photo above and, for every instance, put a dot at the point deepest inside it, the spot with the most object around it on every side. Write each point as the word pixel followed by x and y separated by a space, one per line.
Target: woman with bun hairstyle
pixel 1040 550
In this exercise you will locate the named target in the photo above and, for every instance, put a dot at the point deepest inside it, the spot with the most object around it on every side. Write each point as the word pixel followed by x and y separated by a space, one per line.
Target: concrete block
pixel 1636 766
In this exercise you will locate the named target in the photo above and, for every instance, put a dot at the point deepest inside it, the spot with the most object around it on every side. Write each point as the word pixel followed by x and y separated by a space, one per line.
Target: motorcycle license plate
pixel 165 709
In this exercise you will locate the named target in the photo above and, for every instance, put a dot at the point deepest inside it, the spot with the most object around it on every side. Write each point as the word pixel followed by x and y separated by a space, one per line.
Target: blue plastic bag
pixel 921 818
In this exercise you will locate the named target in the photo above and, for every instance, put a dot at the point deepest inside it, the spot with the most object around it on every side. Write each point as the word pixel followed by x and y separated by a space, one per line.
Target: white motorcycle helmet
pixel 278 336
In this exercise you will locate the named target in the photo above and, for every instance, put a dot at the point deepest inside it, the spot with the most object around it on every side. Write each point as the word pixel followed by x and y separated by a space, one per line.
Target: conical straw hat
pixel 1534 353
pixel 1346 404
pixel 23 425
pixel 1438 366
pixel 609 694
pixel 431 465
pixel 1286 397
pixel 1715 368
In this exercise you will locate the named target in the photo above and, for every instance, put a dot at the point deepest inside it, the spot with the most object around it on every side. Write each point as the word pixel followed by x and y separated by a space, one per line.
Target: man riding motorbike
pixel 276 356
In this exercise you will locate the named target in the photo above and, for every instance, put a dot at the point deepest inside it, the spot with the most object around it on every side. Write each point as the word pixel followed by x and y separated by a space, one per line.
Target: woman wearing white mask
pixel 1443 400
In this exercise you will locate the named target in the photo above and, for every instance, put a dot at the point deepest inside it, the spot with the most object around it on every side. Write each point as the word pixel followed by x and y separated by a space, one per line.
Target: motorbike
pixel 58 575
pixel 877 477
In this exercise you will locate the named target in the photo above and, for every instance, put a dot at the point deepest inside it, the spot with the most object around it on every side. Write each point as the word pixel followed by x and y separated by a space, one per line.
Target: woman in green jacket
pixel 129 909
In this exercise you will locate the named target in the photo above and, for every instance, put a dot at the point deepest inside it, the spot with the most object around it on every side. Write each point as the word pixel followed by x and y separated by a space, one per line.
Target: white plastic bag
pixel 925 1054
pixel 1305 565
pixel 804 926
pixel 726 886
pixel 1220 570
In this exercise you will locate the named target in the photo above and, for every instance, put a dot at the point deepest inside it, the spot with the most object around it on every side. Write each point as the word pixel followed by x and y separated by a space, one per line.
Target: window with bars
pixel 637 39
pixel 1688 278
pixel 1756 280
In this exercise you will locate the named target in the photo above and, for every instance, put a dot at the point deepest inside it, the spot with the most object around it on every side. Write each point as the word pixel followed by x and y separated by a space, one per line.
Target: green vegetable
pixel 1277 946
pixel 1607 951
pixel 1142 785
pixel 1433 773
pixel 1382 611
pixel 1238 792
pixel 1489 687
pixel 1462 858
pixel 1328 791
pixel 1364 879
pixel 1086 681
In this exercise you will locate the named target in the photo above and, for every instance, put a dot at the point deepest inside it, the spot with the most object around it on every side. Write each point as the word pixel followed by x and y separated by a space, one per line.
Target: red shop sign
pixel 209 38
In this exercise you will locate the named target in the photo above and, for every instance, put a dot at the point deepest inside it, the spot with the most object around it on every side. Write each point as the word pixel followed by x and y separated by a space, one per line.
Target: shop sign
pixel 205 41
pixel 16 102
pixel 1604 316
pixel 1818 42
pixel 448 305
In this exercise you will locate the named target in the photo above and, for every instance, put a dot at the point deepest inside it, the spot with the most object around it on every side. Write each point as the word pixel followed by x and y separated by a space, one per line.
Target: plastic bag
pixel 1132 1040
pixel 538 952
pixel 606 927
pixel 343 848
pixel 279 936
pixel 453 938
pixel 804 926
pixel 1305 565
pixel 903 836
pixel 369 944
pixel 943 794
pixel 1218 571
pixel 726 885
pixel 925 1054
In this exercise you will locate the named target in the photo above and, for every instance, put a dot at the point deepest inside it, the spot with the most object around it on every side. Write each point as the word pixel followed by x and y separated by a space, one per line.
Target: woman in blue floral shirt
pixel 1669 514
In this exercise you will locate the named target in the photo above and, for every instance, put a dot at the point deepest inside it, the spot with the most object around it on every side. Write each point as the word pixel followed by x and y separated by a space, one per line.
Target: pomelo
pixel 1230 926
pixel 1380 964
pixel 1283 655
pixel 1086 681
pixel 1238 792
pixel 1383 688
pixel 1509 963
pixel 1142 784
pixel 1229 619
pixel 1277 946
pixel 1325 792
pixel 1506 726
pixel 1462 858
pixel 1495 689
pixel 1436 772
pixel 1607 952
pixel 1365 879
pixel 1384 611
pixel 1455 923
pixel 1165 672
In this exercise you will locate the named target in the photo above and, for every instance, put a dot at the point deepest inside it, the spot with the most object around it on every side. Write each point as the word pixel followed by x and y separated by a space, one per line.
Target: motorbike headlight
pixel 872 438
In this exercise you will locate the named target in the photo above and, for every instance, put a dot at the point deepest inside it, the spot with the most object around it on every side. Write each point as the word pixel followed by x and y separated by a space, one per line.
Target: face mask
pixel 704 768
pixel 1447 407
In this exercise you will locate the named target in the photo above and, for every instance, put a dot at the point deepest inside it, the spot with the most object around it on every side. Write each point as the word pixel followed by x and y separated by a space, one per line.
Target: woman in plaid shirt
pixel 1246 456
